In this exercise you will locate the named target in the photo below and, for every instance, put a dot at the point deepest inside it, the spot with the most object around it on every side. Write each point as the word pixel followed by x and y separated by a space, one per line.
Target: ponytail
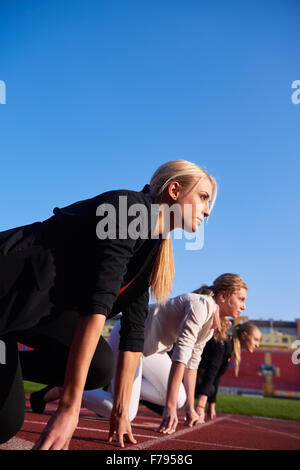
pixel 186 174
pixel 238 329
pixel 237 354
pixel 205 290
pixel 163 272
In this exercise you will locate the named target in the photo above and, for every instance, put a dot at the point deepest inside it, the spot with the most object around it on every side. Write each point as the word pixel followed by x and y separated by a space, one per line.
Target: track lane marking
pixel 88 429
pixel 16 443
pixel 154 441
pixel 216 445
pixel 266 429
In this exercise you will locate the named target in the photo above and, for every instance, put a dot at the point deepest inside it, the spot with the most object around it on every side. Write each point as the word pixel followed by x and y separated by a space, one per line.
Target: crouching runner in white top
pixel 184 323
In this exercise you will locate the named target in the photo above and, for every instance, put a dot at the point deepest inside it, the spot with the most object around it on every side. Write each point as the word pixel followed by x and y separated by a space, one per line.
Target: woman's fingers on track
pixel 66 446
pixel 47 444
pixel 58 432
pixel 128 436
pixel 163 425
pixel 110 435
pixel 171 428
pixel 168 425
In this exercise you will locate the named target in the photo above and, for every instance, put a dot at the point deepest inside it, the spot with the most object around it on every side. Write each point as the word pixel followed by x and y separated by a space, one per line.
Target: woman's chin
pixel 189 229
pixel 194 228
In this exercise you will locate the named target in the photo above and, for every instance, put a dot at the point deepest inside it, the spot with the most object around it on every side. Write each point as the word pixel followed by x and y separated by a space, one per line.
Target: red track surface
pixel 226 432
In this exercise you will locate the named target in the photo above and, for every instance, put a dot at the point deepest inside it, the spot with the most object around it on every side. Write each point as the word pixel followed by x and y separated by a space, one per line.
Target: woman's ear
pixel 173 190
pixel 243 336
pixel 222 297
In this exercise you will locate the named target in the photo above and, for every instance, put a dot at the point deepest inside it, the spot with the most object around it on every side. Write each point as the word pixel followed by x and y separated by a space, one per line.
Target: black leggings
pixel 45 364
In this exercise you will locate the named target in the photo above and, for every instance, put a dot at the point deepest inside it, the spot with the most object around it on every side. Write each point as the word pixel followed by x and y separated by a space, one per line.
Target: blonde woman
pixel 88 258
pixel 215 361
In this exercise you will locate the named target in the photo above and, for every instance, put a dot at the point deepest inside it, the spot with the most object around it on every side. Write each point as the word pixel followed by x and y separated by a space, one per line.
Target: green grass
pixel 32 386
pixel 282 408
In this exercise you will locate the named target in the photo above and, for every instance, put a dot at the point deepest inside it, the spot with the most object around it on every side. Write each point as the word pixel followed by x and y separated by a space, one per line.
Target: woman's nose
pixel 206 210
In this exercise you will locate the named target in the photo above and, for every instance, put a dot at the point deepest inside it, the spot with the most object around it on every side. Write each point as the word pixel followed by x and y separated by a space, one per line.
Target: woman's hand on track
pixel 169 421
pixel 122 427
pixel 201 413
pixel 211 411
pixel 58 431
pixel 192 418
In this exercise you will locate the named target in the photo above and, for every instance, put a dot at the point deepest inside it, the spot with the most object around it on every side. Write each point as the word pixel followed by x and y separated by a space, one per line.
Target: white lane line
pixel 141 418
pixel 15 443
pixel 154 441
pixel 161 438
pixel 272 419
pixel 21 444
pixel 216 445
pixel 147 424
pixel 266 429
pixel 90 429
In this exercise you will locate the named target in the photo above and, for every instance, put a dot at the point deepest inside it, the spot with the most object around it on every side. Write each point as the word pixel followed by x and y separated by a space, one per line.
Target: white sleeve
pixel 195 358
pixel 187 348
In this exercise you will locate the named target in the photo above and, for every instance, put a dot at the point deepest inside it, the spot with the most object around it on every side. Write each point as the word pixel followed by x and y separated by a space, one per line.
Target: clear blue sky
pixel 100 93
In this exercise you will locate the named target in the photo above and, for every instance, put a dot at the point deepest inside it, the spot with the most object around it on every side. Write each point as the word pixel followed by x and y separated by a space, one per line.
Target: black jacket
pixel 215 361
pixel 61 264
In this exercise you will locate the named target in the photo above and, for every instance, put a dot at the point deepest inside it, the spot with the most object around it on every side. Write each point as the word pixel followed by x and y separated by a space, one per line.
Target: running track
pixel 226 432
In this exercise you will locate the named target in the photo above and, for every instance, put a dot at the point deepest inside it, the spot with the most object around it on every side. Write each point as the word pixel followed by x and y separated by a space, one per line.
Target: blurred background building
pixel 272 369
